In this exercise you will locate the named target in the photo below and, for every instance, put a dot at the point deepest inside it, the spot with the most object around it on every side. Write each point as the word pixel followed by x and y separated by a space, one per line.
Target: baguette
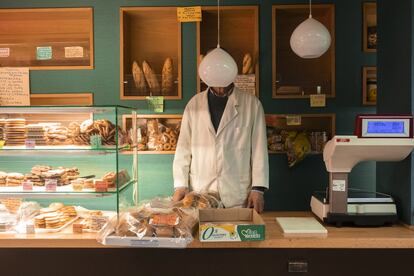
pixel 247 64
pixel 151 78
pixel 139 78
pixel 167 77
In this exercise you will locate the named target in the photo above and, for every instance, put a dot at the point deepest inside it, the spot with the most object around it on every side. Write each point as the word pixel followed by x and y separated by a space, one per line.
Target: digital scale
pixel 377 138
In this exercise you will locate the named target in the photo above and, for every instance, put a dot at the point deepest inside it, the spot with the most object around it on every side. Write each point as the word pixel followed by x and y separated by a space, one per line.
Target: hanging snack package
pixel 157 223
pixel 152 133
pixel 297 147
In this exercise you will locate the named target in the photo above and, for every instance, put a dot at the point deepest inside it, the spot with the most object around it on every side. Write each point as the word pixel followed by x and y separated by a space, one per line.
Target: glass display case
pixel 73 156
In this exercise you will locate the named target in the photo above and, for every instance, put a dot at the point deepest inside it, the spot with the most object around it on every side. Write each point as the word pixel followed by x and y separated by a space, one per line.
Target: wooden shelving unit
pixel 370 27
pixel 369 85
pixel 239 35
pixel 295 77
pixel 168 120
pixel 75 99
pixel 65 33
pixel 150 34
pixel 304 122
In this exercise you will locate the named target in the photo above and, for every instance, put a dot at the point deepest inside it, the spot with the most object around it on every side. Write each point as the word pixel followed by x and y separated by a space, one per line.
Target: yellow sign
pixel 189 14
pixel 317 100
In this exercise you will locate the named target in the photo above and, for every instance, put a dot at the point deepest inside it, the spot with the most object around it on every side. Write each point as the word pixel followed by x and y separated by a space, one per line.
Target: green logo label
pixel 251 232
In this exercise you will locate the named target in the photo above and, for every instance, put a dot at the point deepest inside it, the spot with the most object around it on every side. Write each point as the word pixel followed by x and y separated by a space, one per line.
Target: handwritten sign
pixel 74 52
pixel 156 104
pixel 189 14
pixel 44 53
pixel 14 86
pixel 4 52
pixel 246 83
pixel 317 100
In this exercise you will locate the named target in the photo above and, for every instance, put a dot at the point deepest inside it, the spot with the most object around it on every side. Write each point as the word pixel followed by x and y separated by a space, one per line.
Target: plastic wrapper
pixel 158 218
pixel 200 201
pixel 152 134
pixel 297 146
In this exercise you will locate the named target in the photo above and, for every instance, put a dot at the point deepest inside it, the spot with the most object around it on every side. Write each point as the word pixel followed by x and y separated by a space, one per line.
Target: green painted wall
pixel 290 189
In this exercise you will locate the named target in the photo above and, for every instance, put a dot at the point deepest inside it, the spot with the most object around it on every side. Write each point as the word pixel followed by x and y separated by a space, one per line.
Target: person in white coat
pixel 222 148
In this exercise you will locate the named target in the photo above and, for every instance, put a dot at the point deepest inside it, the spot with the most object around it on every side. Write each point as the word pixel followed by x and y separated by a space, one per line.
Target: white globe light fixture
pixel 311 39
pixel 218 68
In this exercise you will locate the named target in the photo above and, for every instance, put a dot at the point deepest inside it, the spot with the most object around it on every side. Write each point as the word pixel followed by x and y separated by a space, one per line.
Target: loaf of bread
pixel 247 64
pixel 167 77
pixel 138 75
pixel 151 78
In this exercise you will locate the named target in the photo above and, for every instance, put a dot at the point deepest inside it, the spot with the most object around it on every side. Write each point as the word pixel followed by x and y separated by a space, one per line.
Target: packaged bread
pixel 167 77
pixel 151 78
pixel 138 75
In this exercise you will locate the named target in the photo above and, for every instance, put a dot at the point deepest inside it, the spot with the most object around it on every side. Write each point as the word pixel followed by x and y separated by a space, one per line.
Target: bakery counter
pixel 391 237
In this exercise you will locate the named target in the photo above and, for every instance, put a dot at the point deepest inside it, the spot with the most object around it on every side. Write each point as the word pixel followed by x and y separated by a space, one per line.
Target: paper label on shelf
pixel 338 185
pixel 246 83
pixel 30 144
pixel 189 14
pixel 27 185
pixel 293 120
pixel 156 104
pixel 14 86
pixel 4 52
pixel 74 52
pixel 44 53
pixel 50 185
pixel 318 100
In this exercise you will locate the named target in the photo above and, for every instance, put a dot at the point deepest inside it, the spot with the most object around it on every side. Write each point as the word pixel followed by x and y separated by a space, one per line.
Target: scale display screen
pixel 385 127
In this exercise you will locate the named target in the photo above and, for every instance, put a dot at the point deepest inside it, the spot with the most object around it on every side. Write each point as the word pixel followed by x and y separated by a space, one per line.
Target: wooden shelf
pixel 239 35
pixel 150 34
pixel 370 26
pixel 275 123
pixel 171 121
pixel 369 94
pixel 65 30
pixel 295 77
pixel 74 99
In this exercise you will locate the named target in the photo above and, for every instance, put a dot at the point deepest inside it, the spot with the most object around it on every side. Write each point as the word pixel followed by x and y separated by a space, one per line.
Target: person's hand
pixel 256 201
pixel 179 193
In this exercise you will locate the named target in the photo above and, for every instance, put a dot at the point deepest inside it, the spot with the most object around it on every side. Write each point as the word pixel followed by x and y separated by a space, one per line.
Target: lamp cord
pixel 218 23
pixel 310 8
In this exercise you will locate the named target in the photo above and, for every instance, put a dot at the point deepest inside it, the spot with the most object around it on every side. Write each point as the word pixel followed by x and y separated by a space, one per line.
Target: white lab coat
pixel 230 161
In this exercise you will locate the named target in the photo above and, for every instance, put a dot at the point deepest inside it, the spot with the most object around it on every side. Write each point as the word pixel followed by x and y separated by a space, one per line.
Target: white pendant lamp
pixel 311 39
pixel 218 68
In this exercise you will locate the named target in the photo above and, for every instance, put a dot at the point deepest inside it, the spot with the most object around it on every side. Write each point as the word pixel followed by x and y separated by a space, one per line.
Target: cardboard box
pixel 224 225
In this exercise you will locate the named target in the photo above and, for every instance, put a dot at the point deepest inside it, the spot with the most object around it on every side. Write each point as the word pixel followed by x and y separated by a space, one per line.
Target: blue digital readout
pixel 387 127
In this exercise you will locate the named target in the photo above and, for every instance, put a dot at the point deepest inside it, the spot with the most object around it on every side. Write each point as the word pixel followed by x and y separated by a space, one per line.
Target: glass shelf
pixel 61 192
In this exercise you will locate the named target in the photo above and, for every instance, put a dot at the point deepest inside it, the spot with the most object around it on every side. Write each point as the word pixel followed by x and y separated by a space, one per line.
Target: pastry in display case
pixel 58 164
pixel 155 133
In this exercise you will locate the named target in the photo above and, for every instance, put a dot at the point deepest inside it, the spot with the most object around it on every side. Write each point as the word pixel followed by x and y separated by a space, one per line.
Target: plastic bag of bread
pixel 200 201
pixel 158 218
pixel 152 133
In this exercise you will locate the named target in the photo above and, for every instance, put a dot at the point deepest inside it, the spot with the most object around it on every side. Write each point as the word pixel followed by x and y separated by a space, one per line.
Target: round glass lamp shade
pixel 218 68
pixel 310 39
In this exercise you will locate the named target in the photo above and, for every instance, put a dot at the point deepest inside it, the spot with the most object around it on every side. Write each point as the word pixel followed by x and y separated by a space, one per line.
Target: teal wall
pixel 290 189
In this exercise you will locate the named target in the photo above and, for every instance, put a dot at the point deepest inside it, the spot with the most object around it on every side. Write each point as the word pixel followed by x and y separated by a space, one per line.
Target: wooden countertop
pixel 396 236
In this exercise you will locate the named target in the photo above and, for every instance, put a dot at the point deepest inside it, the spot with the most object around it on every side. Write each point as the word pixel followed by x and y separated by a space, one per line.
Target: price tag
pixel 156 104
pixel 189 14
pixel 27 185
pixel 318 100
pixel 50 185
pixel 101 186
pixel 44 53
pixel 4 52
pixel 30 144
pixel 74 52
pixel 293 120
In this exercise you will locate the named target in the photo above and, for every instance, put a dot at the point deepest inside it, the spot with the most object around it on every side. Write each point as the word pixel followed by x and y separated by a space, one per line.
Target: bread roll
pixel 151 78
pixel 139 78
pixel 247 64
pixel 167 77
